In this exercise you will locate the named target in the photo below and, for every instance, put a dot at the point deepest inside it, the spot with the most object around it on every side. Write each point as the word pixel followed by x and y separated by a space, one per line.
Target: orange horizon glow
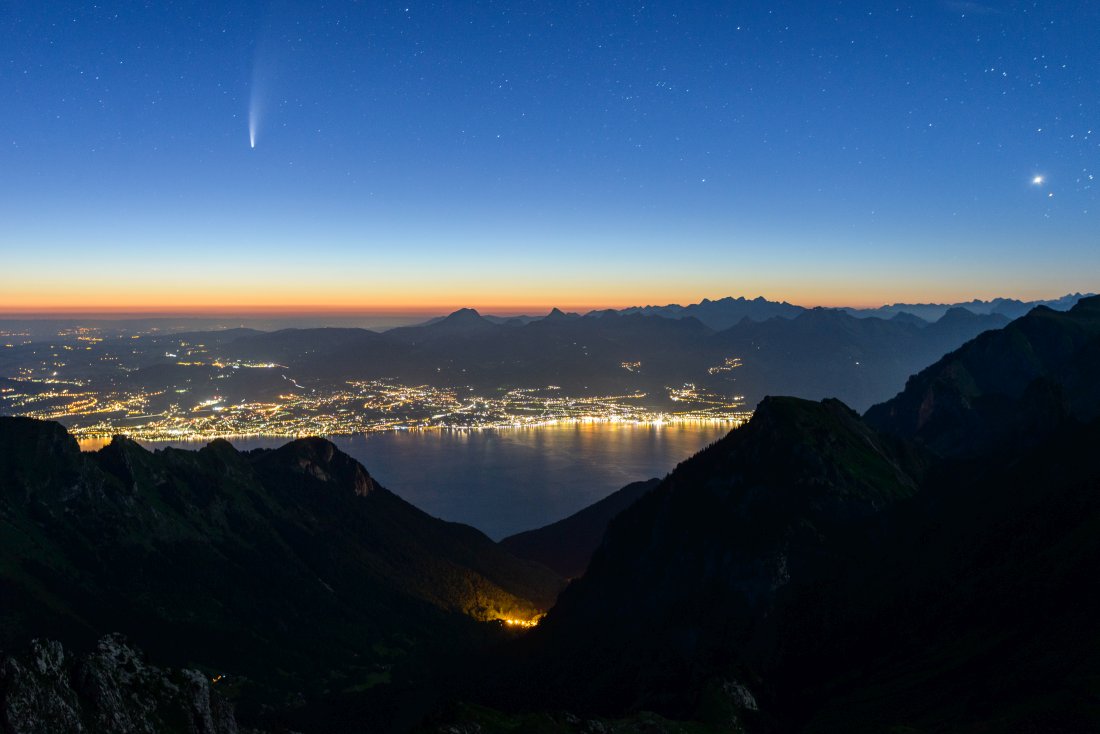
pixel 416 309
pixel 271 290
pixel 502 308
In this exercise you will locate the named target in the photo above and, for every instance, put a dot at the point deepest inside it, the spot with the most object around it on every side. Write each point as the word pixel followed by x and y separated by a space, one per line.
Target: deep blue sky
pixel 529 154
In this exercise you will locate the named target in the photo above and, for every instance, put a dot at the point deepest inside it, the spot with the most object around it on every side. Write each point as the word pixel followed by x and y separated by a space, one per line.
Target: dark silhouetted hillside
pixel 567 545
pixel 827 353
pixel 691 573
pixel 291 568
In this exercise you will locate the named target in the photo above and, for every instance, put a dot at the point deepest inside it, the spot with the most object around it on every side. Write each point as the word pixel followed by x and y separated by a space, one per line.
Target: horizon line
pixel 333 311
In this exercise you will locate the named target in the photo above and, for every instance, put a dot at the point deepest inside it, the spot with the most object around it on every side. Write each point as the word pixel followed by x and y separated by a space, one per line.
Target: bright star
pixel 1037 180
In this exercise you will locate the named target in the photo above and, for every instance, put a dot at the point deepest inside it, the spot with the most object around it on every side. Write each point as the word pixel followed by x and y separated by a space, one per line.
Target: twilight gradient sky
pixel 514 155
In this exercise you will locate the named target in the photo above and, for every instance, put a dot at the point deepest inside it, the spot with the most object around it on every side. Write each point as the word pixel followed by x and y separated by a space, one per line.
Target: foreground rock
pixel 49 689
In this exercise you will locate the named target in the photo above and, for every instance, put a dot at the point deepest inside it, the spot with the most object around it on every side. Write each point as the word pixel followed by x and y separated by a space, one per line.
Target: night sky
pixel 513 156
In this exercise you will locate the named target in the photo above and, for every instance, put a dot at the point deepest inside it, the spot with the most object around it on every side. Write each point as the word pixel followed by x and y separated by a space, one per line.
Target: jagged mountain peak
pixel 321 459
pixel 463 314
pixel 462 322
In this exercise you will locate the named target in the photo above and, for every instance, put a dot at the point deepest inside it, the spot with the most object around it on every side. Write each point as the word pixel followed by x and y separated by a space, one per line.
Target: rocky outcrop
pixel 321 460
pixel 112 689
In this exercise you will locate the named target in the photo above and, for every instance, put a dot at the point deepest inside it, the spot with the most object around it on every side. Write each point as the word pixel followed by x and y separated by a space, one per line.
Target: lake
pixel 505 480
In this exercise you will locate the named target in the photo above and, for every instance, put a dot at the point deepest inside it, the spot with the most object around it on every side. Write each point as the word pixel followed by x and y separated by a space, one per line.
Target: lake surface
pixel 503 481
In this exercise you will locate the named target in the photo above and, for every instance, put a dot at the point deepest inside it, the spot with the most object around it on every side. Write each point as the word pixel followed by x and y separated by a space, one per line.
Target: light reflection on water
pixel 503 481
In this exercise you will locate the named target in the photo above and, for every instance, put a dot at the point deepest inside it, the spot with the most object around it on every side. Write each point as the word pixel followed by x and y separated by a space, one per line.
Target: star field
pixel 363 155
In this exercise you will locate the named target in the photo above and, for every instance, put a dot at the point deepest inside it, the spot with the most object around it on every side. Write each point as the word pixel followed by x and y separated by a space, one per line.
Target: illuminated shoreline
pixel 85 437
pixel 193 413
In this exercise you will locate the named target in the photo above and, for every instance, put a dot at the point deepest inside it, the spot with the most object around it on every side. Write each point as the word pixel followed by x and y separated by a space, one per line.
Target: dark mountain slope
pixel 904 317
pixel 972 610
pixel 331 354
pixel 587 353
pixel 997 387
pixel 827 353
pixel 292 346
pixel 580 354
pixel 289 566
pixel 685 580
pixel 462 324
pixel 213 337
pixel 567 545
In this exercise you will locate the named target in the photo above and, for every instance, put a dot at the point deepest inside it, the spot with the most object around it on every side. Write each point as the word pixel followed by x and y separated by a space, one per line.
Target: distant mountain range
pixel 783 349
pixel 723 313
pixel 727 312
pixel 816 353
pixel 1009 307
pixel 732 350
pixel 716 314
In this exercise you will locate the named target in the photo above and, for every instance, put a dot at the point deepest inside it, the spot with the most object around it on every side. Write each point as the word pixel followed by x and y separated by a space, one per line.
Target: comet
pixel 269 48
pixel 262 71
pixel 254 109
